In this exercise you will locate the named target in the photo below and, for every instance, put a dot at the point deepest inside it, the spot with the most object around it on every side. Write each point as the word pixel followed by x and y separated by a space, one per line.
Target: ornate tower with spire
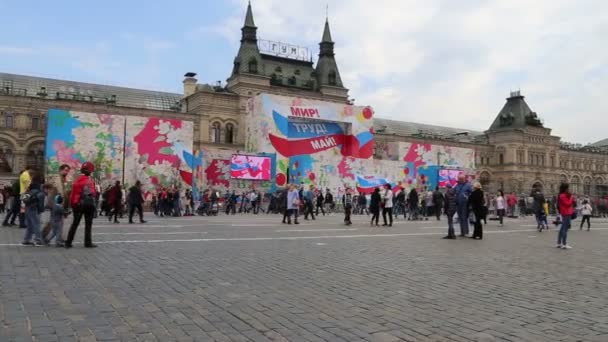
pixel 248 59
pixel 328 76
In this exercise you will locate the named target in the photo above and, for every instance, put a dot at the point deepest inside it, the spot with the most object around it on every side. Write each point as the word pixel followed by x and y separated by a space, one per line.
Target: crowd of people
pixel 465 204
pixel 31 196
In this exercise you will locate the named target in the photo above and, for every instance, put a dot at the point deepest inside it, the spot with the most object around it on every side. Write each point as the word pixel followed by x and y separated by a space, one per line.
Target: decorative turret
pixel 248 59
pixel 327 68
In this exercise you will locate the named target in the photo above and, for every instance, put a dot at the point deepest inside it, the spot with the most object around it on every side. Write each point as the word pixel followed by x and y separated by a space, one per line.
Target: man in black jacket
pixel 136 199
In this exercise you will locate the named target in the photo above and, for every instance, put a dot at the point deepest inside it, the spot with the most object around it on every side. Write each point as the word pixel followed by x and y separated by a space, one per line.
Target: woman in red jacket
pixel 565 202
pixel 82 200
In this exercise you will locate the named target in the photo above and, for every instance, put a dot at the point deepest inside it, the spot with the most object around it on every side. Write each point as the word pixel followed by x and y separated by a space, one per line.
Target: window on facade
pixel 216 132
pixel 6 159
pixel 35 157
pixel 552 161
pixel 229 133
pixel 297 72
pixel 520 157
pixel 9 121
pixel 331 78
pixel 278 69
pixel 501 159
pixel 35 123
pixel 253 66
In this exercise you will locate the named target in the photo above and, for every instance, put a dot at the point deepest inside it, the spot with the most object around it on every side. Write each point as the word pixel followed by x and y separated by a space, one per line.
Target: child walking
pixel 57 215
pixel 586 211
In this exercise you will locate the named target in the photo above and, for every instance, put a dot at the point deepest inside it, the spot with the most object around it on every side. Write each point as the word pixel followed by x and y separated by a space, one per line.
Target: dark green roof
pixel 515 114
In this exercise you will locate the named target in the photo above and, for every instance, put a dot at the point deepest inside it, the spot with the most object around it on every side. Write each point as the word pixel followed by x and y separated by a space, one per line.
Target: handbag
pixel 472 218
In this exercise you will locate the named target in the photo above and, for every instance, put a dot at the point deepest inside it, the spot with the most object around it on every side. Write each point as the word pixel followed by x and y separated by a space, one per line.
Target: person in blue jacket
pixel 463 190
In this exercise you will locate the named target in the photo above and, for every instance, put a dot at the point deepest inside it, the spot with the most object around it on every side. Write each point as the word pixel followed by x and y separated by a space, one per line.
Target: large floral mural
pixel 330 145
pixel 155 151
pixel 158 152
pixel 76 137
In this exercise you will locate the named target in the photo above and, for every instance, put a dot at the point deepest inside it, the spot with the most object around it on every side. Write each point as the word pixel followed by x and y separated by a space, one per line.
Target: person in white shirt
pixel 500 206
pixel 586 211
pixel 387 199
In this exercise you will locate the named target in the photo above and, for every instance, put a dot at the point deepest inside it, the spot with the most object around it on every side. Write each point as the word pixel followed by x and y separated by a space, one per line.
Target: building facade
pixel 516 153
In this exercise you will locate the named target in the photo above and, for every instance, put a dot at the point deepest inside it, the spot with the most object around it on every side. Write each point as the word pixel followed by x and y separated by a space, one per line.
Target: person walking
pixel 450 209
pixel 537 206
pixel 57 216
pixel 115 202
pixel 566 204
pixel 362 204
pixel 347 203
pixel 500 206
pixel 477 203
pixel 329 200
pixel 293 204
pixel 320 202
pixel 374 206
pixel 12 211
pixel 308 200
pixel 438 203
pixel 463 190
pixel 388 205
pixel 82 200
pixel 512 203
pixel 136 199
pixel 34 201
pixel 428 205
pixel 586 211
pixel 413 202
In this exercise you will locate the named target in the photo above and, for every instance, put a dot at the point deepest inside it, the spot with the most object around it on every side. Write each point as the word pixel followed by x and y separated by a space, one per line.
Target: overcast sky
pixel 441 62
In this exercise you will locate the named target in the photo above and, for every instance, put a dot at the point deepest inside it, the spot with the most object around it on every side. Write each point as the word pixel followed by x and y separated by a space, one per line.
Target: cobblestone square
pixel 250 278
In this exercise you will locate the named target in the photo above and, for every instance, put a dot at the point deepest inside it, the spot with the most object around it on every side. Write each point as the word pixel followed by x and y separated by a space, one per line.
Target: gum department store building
pixel 515 153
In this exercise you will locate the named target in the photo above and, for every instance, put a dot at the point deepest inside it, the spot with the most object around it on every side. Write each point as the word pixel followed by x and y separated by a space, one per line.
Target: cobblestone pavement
pixel 247 278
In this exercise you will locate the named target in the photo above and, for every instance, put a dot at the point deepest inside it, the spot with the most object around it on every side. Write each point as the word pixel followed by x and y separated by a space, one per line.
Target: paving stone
pixel 507 287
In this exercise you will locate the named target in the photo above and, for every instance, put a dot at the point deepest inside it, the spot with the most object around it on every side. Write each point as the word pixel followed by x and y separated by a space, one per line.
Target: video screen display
pixel 447 176
pixel 250 167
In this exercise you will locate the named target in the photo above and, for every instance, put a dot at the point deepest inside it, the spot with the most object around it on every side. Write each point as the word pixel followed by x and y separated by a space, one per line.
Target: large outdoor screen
pixel 250 167
pixel 448 176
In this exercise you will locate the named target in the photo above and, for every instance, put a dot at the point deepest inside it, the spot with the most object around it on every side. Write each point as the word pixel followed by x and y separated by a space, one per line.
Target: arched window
pixel 484 179
pixel 575 184
pixel 9 121
pixel 35 123
pixel 331 78
pixel 253 66
pixel 501 159
pixel 587 186
pixel 229 133
pixel 6 158
pixel 216 132
pixel 35 157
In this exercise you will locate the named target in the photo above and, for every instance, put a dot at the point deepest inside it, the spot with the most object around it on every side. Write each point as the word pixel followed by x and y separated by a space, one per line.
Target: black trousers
pixel 320 206
pixel 347 211
pixel 308 210
pixel 388 211
pixel 11 215
pixel 88 225
pixel 140 211
pixel 477 226
pixel 375 215
pixel 115 212
pixel 588 219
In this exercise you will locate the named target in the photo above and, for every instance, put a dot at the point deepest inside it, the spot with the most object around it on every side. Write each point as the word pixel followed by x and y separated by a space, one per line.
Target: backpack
pixel 87 200
pixel 34 198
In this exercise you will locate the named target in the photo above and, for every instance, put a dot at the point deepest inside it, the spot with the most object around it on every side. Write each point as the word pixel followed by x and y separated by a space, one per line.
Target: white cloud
pixel 453 63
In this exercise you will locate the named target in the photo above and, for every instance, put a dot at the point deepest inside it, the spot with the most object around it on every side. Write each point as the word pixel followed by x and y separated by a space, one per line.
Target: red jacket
pixel 566 201
pixel 77 187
